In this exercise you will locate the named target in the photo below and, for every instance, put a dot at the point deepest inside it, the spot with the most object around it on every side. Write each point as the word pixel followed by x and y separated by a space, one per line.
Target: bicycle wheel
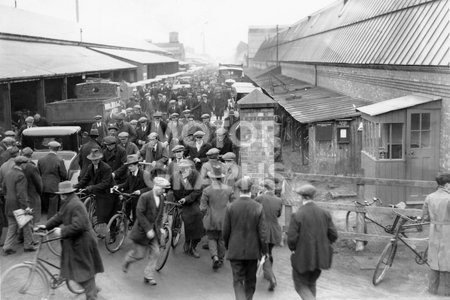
pixel 21 281
pixel 74 287
pixel 92 214
pixel 116 232
pixel 176 229
pixel 53 244
pixel 384 262
pixel 164 249
pixel 350 224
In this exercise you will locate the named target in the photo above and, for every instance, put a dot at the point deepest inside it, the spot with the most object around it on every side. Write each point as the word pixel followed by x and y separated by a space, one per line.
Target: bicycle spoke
pixel 20 282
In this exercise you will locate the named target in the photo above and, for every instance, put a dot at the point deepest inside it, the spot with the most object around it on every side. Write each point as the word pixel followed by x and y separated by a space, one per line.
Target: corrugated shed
pixel 307 103
pixel 27 59
pixel 393 32
pixel 141 57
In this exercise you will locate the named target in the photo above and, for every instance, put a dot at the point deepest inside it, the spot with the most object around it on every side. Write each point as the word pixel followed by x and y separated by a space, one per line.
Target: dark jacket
pixel 244 230
pixel 311 233
pixel 80 258
pixel 213 204
pixel 272 206
pixel 161 155
pixel 102 129
pixel 85 150
pixel 148 217
pixel 34 190
pixel 141 134
pixel 201 154
pixel 53 171
pixel 14 189
pixel 116 159
pixel 133 183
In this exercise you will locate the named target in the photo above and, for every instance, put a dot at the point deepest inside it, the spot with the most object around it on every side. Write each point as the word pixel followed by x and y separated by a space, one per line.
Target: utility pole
pixel 278 62
pixel 77 12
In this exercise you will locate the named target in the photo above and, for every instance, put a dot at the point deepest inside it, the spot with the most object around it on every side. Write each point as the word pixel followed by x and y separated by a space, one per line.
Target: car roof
pixel 51 130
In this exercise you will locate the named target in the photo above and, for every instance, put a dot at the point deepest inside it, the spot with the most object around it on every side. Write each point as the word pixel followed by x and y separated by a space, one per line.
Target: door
pixel 422 150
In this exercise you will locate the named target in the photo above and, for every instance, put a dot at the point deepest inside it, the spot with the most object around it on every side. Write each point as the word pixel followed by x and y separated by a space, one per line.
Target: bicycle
pixel 166 237
pixel 387 256
pixel 176 224
pixel 32 279
pixel 117 228
pixel 89 202
pixel 351 219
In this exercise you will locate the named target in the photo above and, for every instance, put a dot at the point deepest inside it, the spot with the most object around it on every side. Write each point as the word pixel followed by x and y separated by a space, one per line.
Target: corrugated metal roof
pixel 141 57
pixel 396 104
pixel 27 59
pixel 393 32
pixel 307 103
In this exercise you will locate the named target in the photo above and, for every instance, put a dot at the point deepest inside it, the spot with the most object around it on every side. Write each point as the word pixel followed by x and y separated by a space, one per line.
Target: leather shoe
pixel 8 252
pixel 125 266
pixel 32 249
pixel 150 281
pixel 195 254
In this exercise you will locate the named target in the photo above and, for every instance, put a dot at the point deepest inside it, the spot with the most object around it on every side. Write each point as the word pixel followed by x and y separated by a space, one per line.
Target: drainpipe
pixel 315 75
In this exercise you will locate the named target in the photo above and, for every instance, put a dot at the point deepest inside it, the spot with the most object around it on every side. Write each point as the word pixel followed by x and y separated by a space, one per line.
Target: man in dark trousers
pixel 53 171
pixel 244 234
pixel 80 258
pixel 272 206
pixel 197 152
pixel 310 235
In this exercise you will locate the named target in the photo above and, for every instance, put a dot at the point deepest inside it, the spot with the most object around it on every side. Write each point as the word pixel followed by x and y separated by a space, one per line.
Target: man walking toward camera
pixel 244 233
pixel 310 235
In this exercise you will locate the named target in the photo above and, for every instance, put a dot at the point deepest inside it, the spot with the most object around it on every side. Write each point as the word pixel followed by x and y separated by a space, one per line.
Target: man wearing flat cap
pixel 245 236
pixel 174 132
pixel 123 126
pixel 154 153
pixel 272 206
pixel 159 126
pixel 213 161
pixel 311 233
pixel 208 127
pixel 115 156
pixel 80 258
pixel 53 171
pixel 147 231
pixel 29 123
pixel 184 116
pixel 101 127
pixel 9 144
pixel 205 106
pixel 142 131
pixel 197 152
pixel 14 187
pixel 222 141
pixel 172 108
pixel 137 113
pixel 130 148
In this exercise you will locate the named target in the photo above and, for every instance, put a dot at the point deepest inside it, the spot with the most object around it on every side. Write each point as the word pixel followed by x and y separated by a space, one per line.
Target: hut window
pixel 324 132
pixel 420 130
pixel 391 141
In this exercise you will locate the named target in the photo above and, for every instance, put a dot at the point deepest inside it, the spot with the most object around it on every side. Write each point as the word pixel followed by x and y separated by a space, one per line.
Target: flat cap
pixel 213 151
pixel 204 95
pixel 132 159
pixel 178 148
pixel 206 116
pixel 29 119
pixel 10 133
pixel 244 184
pixel 108 140
pixel 129 109
pixel 199 133
pixel 186 111
pixel 14 150
pixel 153 135
pixel 143 119
pixel 173 101
pixel 161 182
pixel 137 106
pixel 175 115
pixel 113 126
pixel 185 163
pixel 123 134
pixel 306 190
pixel 229 156
pixel 221 130
pixel 97 117
pixel 157 114
pixel 20 159
pixel 133 122
pixel 94 132
pixel 269 184
pixel 27 151
pixel 8 140
pixel 54 144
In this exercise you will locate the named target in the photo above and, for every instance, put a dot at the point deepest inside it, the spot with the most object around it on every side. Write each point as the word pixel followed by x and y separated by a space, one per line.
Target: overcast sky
pixel 224 23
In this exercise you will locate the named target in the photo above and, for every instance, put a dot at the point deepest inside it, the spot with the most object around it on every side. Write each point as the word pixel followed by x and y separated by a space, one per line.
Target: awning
pixel 386 106
pixel 28 60
pixel 141 57
pixel 307 103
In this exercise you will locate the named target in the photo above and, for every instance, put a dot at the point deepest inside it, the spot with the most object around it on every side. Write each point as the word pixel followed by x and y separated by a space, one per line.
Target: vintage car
pixel 37 138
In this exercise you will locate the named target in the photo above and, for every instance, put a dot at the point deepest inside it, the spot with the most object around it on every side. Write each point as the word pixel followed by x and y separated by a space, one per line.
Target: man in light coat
pixel 245 234
pixel 147 230
pixel 436 209
pixel 310 235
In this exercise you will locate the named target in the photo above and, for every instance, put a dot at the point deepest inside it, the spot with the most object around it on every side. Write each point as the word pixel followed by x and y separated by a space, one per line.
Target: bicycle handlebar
pixel 172 203
pixel 116 191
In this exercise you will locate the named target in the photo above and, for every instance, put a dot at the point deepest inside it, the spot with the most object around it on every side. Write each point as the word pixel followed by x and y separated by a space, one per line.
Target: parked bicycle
pixel 118 226
pixel 91 206
pixel 387 256
pixel 166 238
pixel 34 279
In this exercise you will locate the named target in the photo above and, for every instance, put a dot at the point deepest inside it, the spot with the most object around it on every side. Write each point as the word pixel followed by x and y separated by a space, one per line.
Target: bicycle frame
pixel 398 237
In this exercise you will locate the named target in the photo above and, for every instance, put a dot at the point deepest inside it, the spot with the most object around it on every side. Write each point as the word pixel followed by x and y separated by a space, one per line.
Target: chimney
pixel 173 37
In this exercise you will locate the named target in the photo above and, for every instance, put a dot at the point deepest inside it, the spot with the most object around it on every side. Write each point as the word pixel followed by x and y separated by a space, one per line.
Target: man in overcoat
pixel 98 180
pixel 100 126
pixel 213 204
pixel 34 186
pixel 244 233
pixel 197 152
pixel 53 171
pixel 80 258
pixel 187 190
pixel 115 156
pixel 154 153
pixel 142 131
pixel 86 149
pixel 14 187
pixel 310 235
pixel 436 209
pixel 147 230
pixel 272 206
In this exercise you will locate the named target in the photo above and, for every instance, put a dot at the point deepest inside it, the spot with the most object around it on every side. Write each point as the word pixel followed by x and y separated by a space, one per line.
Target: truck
pixel 230 71
pixel 93 97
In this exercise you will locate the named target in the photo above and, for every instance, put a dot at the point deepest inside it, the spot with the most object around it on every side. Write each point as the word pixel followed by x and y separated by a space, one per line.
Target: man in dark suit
pixel 80 259
pixel 86 149
pixel 197 152
pixel 115 156
pixel 244 233
pixel 53 171
pixel 101 127
pixel 310 235
pixel 34 186
pixel 159 126
pixel 154 153
pixel 142 131
pixel 123 126
pixel 147 231
pixel 272 206
pixel 29 123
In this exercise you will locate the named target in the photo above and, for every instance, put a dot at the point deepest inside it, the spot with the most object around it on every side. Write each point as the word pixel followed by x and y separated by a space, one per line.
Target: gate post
pixel 360 216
